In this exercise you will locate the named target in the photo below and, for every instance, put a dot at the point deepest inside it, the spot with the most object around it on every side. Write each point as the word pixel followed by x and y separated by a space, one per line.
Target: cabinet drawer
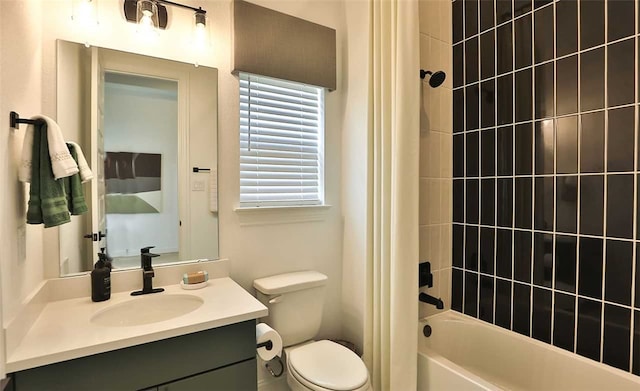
pixel 241 377
pixel 144 366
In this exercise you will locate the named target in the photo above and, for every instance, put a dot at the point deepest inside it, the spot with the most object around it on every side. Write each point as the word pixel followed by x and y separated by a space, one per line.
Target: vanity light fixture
pixel 154 13
pixel 151 16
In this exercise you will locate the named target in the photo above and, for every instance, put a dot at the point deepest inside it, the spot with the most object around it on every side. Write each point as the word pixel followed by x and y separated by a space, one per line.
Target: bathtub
pixel 464 353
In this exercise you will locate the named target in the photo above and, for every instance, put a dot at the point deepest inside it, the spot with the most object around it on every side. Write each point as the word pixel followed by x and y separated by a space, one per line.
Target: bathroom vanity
pixel 217 359
pixel 76 344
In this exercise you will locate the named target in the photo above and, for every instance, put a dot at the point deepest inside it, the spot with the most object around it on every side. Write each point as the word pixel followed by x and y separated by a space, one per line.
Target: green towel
pixel 47 200
pixel 73 189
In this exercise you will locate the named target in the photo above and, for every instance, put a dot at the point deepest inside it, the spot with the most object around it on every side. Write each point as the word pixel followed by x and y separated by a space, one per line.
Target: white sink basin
pixel 147 309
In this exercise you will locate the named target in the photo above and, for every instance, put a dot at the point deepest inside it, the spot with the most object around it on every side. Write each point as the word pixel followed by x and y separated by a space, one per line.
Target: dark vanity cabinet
pixel 217 359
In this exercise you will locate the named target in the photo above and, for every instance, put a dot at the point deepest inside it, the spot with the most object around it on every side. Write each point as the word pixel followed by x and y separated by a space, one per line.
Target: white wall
pixel 258 244
pixel 4 228
pixel 264 243
pixel 21 89
pixel 436 156
pixel 138 119
pixel 356 178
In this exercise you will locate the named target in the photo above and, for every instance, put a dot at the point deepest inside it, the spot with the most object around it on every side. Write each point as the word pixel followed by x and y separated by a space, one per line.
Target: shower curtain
pixel 392 274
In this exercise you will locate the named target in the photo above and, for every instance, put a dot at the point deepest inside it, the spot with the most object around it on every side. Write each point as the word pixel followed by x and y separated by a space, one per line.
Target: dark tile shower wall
pixel 545 167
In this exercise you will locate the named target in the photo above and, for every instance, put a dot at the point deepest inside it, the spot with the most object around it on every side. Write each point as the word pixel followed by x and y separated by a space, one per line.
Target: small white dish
pixel 190 287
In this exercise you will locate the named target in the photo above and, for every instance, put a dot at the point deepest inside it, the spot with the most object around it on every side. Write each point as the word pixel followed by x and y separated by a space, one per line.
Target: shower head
pixel 436 78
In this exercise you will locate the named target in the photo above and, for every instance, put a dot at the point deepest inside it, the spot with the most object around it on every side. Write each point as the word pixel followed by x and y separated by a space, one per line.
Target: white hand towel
pixel 213 191
pixel 24 171
pixel 85 172
pixel 61 160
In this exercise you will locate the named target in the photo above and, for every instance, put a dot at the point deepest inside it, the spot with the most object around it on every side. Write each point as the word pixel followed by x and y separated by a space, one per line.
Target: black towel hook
pixel 15 120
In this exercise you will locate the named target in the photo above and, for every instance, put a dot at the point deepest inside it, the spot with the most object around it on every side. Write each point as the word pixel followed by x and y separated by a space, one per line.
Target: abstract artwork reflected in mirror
pixel 134 182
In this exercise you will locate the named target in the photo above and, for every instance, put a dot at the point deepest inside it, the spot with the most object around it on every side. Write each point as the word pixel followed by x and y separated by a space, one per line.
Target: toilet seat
pixel 327 366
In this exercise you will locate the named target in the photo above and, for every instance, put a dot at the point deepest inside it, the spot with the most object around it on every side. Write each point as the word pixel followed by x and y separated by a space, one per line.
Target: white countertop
pixel 63 330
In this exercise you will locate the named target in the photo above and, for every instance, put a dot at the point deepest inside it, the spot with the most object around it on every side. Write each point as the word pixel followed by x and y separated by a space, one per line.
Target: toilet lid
pixel 329 365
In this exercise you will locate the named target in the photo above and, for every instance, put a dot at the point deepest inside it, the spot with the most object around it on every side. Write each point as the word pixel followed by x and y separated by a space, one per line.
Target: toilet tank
pixel 295 302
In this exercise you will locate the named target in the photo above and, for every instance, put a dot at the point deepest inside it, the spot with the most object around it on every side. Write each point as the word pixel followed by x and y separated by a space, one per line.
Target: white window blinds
pixel 281 142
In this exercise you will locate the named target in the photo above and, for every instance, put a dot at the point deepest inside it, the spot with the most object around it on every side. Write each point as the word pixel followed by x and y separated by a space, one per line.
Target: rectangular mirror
pixel 144 125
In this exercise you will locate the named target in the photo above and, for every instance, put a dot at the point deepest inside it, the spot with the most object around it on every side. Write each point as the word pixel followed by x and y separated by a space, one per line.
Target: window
pixel 281 142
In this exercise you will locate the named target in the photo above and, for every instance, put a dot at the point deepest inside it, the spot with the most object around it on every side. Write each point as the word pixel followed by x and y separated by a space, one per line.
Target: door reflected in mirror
pixel 143 122
pixel 141 167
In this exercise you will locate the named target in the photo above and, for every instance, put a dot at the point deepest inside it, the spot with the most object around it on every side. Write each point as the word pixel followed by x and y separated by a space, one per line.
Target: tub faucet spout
pixel 425 298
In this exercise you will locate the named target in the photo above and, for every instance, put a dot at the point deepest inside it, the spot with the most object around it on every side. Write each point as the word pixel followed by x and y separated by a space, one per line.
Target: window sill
pixel 268 215
pixel 251 209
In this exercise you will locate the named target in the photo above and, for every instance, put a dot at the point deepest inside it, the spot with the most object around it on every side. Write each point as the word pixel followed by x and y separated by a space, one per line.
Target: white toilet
pixel 295 302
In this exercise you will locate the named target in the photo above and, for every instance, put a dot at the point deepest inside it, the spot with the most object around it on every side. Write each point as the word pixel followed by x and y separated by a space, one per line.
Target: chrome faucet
pixel 147 273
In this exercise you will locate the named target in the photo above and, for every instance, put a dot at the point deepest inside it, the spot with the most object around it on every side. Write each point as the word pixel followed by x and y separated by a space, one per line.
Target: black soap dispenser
pixel 108 261
pixel 101 279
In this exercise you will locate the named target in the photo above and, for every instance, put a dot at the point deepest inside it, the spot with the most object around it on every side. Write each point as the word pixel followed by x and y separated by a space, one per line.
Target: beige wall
pixel 436 149
pixel 356 178
pixel 258 244
pixel 21 89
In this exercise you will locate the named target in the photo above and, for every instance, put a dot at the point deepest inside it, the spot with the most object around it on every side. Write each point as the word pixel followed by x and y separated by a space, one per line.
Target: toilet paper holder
pixel 271 371
pixel 269 345
pixel 266 344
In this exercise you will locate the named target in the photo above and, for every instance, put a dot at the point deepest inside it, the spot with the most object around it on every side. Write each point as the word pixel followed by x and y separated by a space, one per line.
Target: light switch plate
pixel 197 186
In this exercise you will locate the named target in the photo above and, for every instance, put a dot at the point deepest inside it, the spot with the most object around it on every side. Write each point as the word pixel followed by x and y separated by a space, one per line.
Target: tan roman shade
pixel 270 43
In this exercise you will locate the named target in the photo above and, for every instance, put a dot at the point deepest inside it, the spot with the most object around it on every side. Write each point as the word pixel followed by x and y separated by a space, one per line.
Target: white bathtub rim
pixel 464 373
pixel 460 317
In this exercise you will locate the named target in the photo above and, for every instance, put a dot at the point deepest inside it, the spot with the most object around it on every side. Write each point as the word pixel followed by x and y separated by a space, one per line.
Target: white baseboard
pixel 266 382
pixel 274 384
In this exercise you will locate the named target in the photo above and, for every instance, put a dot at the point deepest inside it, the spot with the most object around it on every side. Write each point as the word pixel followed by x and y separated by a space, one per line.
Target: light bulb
pixel 146 22
pixel 199 36
pixel 147 19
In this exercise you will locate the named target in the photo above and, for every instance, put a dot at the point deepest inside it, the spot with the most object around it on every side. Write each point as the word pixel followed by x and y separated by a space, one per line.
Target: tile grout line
pixel 560 291
pixel 538 231
pixel 533 154
pixel 513 168
pixel 533 157
pixel 555 168
pixel 464 164
pixel 478 292
pixel 546 62
pixel 579 170
pixel 606 190
pixel 634 257
pixel 495 168
pixel 573 174
pixel 555 117
pixel 512 20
